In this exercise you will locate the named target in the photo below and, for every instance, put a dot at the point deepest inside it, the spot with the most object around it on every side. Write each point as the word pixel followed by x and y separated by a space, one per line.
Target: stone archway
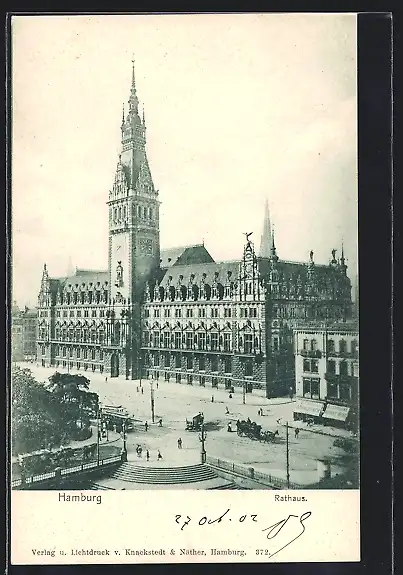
pixel 115 365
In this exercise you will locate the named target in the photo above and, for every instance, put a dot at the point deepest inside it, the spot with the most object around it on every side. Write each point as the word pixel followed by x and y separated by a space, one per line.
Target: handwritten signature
pixel 271 532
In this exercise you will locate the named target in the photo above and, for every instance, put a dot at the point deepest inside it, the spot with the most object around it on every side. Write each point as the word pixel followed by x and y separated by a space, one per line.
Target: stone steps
pixel 163 475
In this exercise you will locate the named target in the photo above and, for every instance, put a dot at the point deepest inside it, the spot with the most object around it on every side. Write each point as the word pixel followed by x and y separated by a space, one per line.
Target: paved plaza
pixel 175 402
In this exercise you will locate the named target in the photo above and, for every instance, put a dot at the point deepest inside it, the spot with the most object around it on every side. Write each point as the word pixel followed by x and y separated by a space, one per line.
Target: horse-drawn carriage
pixel 195 424
pixel 252 430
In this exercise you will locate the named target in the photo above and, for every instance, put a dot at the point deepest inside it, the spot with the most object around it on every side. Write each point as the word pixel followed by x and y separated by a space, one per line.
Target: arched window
pixel 115 214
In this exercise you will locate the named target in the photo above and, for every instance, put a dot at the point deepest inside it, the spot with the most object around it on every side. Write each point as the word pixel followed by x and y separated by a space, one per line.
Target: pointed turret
pixel 273 250
pixel 133 100
pixel 265 242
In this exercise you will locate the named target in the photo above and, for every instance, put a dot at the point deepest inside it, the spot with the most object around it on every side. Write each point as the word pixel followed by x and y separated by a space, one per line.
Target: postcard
pixel 185 289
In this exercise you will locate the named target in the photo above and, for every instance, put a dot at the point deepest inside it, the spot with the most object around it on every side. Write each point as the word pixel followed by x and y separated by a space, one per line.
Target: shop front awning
pixel 309 407
pixel 336 412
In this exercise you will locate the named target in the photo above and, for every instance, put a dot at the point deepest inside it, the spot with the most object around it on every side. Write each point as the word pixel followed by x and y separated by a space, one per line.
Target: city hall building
pixel 176 314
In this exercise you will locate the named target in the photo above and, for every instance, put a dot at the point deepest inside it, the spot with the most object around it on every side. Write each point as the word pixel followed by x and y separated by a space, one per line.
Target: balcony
pixel 311 353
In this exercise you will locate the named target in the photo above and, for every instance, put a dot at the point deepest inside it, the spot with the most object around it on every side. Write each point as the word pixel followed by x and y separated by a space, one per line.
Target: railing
pixel 251 473
pixel 65 472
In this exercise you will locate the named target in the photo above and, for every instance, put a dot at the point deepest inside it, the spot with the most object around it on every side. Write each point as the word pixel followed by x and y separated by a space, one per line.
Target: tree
pixel 72 392
pixel 37 420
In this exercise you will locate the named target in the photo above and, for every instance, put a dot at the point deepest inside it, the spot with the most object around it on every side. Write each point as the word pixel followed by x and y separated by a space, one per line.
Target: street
pixel 175 402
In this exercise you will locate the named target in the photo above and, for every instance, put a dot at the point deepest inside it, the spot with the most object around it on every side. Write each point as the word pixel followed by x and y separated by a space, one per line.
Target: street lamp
pixel 98 435
pixel 287 455
pixel 202 439
pixel 152 398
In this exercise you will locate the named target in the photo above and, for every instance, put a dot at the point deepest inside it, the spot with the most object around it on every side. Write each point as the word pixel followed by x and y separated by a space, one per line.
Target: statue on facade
pixel 311 256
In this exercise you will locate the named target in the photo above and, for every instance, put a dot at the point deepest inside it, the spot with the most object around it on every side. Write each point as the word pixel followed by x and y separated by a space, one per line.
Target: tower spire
pixel 273 250
pixel 133 100
pixel 265 242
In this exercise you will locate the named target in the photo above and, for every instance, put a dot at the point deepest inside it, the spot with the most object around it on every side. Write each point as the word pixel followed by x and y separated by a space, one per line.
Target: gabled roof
pixel 185 255
pixel 81 277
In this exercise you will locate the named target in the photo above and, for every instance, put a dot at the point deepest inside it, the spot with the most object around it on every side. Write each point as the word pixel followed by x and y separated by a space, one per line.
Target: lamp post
pixel 98 435
pixel 244 392
pixel 152 398
pixel 202 439
pixel 287 456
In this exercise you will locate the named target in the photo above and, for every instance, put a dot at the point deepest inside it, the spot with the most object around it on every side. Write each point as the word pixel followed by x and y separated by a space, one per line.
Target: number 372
pixel 262 552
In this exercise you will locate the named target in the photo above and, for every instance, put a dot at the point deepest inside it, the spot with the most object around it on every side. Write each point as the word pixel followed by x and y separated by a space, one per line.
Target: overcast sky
pixel 239 109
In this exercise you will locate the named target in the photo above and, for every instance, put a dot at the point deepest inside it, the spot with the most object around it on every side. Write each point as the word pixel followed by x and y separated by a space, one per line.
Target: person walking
pixel 142 390
pixel 296 432
pixel 137 389
pixel 212 399
pixel 157 384
pixel 146 426
pixel 148 455
pixel 160 423
pixel 159 456
pixel 106 378
pixel 180 443
pixel 226 410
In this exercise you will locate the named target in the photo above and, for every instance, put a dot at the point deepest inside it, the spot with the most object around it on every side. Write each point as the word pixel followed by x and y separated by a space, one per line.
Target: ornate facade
pixel 177 314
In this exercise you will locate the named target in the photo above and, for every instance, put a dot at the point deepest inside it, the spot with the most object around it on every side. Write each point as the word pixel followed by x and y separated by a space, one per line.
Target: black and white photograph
pixel 184 254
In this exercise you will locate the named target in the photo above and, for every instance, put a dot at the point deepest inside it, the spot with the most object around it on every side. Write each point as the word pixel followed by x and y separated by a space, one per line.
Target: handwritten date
pixel 295 526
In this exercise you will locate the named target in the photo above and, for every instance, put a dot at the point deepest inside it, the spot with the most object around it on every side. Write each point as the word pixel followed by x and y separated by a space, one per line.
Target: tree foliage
pixel 46 417
pixel 37 421
pixel 72 392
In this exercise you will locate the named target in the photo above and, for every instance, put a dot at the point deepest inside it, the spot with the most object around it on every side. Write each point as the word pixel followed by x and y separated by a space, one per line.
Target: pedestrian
pixel 212 399
pixel 157 384
pixel 106 378
pixel 180 443
pixel 148 455
pixel 291 393
pixel 226 410
pixel 296 432
pixel 230 396
pixel 160 423
pixel 159 455
pixel 142 390
pixel 229 428
pixel 146 426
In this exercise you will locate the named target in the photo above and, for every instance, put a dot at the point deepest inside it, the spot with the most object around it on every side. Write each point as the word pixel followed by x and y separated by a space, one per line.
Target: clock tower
pixel 134 246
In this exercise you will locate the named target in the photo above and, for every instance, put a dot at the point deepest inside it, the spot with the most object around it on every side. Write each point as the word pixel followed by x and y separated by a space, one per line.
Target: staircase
pixel 163 475
pixel 189 477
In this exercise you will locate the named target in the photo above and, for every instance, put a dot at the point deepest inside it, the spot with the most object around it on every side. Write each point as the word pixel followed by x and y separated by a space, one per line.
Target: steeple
pixel 133 100
pixel 343 265
pixel 273 251
pixel 265 242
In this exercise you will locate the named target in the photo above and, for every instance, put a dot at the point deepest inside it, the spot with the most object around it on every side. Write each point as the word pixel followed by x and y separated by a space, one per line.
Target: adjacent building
pixel 176 313
pixel 327 372
pixel 24 326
